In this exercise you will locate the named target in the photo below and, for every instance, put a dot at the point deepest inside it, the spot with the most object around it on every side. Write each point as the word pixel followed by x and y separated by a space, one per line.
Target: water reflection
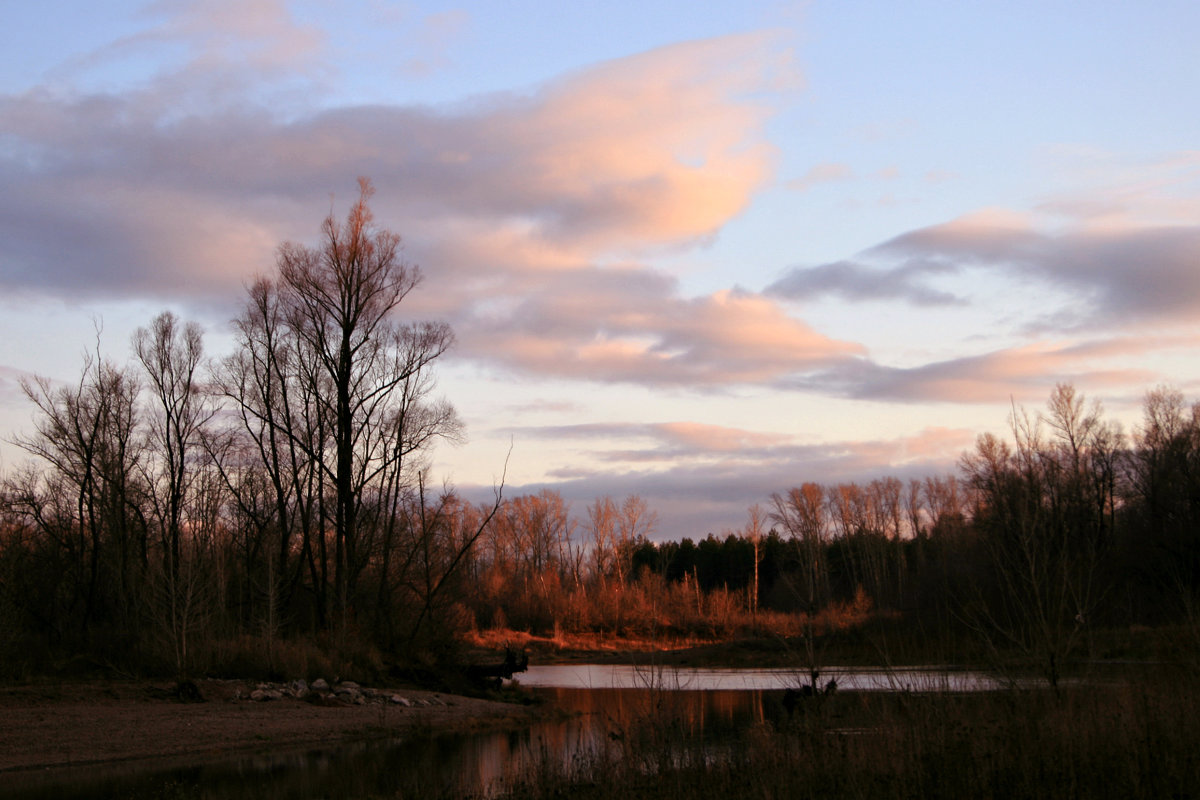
pixel 602 705
pixel 624 676
pixel 476 765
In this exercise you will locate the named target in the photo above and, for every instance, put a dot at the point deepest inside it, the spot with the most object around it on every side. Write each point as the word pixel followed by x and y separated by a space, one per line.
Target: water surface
pixel 703 679
pixel 602 704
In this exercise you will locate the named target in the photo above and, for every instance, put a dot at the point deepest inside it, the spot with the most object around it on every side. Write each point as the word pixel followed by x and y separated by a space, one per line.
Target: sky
pixel 697 255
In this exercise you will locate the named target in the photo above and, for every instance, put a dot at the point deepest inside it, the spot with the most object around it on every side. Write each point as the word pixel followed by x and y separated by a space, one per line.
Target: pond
pixel 601 701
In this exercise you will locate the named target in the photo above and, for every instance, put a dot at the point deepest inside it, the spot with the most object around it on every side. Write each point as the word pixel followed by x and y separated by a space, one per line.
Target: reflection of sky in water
pixel 624 676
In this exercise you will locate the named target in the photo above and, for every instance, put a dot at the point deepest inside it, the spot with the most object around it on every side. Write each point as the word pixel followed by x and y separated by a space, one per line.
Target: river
pixel 600 703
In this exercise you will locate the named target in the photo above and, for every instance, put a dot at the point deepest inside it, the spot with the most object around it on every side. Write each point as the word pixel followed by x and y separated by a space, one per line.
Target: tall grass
pixel 1133 739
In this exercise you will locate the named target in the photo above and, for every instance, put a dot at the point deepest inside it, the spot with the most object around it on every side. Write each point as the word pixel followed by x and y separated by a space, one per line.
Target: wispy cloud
pixel 668 440
pixel 1116 274
pixel 855 281
pixel 821 173
pixel 1120 275
pixel 1026 373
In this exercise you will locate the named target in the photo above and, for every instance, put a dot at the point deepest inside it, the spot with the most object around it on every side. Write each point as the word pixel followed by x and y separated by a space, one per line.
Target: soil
pixel 55 726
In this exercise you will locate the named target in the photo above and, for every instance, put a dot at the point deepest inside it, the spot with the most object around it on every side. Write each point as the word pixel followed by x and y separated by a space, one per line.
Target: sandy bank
pixel 56 726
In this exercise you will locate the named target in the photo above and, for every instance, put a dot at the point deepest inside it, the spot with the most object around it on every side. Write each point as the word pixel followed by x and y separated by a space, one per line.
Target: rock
pixel 262 695
pixel 349 690
pixel 401 701
pixel 299 689
pixel 319 685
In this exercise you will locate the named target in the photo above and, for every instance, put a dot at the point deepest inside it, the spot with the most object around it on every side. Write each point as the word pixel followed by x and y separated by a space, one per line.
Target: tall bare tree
pixel 336 395
pixel 88 502
pixel 172 354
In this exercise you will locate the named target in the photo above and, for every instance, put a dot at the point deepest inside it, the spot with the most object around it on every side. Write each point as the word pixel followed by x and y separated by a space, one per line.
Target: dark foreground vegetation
pixel 1126 740
pixel 269 514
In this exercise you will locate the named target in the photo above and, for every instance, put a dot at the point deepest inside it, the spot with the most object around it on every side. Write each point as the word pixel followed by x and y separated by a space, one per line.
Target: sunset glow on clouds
pixel 696 256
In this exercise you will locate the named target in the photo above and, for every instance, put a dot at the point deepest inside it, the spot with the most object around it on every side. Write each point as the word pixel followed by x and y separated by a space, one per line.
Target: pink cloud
pixel 611 326
pixel 498 199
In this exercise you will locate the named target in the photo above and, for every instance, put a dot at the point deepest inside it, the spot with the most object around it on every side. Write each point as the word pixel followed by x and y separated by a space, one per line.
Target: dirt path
pixel 50 726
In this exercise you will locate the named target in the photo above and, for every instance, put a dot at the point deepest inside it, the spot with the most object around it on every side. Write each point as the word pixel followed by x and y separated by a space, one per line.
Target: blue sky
pixel 700 255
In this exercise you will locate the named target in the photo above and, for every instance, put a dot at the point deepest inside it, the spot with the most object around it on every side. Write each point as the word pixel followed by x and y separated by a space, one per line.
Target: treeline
pixel 270 511
pixel 1067 526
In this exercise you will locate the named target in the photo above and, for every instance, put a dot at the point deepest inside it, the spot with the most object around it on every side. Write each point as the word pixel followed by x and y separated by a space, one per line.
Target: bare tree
pixel 1165 484
pixel 635 524
pixel 335 394
pixel 171 355
pixel 803 513
pixel 1043 525
pixel 602 527
pixel 88 503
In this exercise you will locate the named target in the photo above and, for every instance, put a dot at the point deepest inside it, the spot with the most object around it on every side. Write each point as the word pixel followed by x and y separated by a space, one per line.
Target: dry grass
pixel 665 631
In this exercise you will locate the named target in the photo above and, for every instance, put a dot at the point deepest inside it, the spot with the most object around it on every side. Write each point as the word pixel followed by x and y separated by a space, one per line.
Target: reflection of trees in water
pixel 474 765
pixel 696 712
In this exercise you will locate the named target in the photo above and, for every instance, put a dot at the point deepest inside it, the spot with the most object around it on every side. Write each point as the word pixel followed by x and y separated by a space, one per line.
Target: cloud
pixel 1119 275
pixel 633 326
pixel 821 173
pixel 1025 372
pixel 533 213
pixel 1123 275
pixel 655 150
pixel 717 438
pixel 669 441
pixel 528 210
pixel 204 54
pixel 854 281
pixel 685 445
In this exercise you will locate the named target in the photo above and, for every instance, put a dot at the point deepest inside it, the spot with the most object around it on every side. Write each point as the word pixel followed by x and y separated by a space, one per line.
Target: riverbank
pixel 882 643
pixel 59 726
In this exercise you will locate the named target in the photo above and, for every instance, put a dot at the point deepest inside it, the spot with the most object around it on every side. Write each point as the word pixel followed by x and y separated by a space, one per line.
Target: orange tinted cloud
pixel 612 326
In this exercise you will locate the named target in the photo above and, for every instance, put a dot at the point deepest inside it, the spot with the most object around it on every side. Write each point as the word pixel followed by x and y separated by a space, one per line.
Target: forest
pixel 271 513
